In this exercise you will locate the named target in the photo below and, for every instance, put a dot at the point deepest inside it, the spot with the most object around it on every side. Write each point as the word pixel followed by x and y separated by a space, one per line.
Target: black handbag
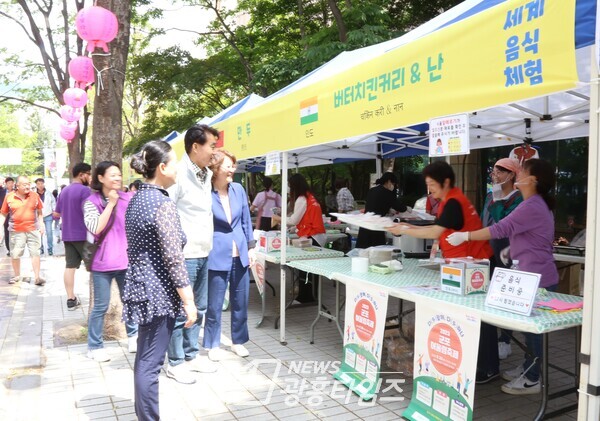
pixel 90 249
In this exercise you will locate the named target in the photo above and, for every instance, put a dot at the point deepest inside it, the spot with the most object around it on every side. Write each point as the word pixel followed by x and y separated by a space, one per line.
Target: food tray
pixel 570 250
pixel 369 220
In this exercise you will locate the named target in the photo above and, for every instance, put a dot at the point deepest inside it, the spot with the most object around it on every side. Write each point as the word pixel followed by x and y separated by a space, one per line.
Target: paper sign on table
pixel 513 290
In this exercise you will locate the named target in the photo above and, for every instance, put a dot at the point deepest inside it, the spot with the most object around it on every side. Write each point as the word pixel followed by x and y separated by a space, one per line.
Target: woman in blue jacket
pixel 228 261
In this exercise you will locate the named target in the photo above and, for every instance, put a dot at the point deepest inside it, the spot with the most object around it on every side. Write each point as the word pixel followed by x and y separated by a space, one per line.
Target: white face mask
pixel 497 193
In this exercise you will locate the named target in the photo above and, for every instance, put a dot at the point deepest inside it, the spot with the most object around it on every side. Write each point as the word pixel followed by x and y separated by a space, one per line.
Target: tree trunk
pixel 388 165
pixel 339 20
pixel 107 134
pixel 301 24
pixel 108 103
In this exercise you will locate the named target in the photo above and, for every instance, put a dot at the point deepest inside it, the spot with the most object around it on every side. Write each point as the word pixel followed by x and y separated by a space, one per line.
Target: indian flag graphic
pixel 451 276
pixel 309 111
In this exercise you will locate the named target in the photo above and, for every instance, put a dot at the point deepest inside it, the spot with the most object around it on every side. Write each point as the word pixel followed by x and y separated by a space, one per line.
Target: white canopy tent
pixel 534 116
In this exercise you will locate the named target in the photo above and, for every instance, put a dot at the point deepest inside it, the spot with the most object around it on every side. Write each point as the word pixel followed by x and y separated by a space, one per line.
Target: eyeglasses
pixel 496 173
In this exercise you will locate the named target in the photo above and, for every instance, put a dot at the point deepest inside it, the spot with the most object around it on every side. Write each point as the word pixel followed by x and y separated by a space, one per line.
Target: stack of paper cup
pixel 360 264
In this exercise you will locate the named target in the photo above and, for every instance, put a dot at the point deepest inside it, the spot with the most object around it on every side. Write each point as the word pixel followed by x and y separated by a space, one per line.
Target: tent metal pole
pixel 282 269
pixel 378 161
pixel 589 382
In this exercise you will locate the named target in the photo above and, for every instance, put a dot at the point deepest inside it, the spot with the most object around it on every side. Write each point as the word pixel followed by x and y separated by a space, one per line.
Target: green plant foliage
pixel 260 47
pixel 32 144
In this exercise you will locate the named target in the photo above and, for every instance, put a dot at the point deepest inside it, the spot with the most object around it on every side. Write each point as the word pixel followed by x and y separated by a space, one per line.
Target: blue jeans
pixel 239 284
pixel 184 344
pixel 102 282
pixel 48 224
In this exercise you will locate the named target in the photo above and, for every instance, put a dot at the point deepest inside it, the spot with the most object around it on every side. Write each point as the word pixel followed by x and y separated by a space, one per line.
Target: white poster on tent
pixel 273 164
pixel 446 346
pixel 10 156
pixel 449 135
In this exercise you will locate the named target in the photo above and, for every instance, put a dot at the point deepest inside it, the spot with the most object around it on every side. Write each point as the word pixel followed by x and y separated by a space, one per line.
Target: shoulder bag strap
pixel 108 226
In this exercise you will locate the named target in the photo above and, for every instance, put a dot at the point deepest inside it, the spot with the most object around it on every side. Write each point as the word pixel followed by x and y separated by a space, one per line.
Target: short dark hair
pixel 197 134
pixel 153 153
pixel 39 179
pixel 81 167
pixel 136 184
pixel 440 171
pixel 9 179
pixel 267 182
pixel 387 176
pixel 101 170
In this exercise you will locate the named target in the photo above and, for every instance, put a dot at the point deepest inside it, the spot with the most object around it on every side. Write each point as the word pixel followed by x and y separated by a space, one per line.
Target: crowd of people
pixel 177 242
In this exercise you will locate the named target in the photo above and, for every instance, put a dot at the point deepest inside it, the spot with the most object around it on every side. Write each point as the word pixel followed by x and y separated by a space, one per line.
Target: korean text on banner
pixel 515 50
pixel 446 344
pixel 364 325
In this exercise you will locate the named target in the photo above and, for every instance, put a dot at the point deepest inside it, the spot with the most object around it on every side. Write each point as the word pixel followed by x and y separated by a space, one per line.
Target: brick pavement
pixel 45 380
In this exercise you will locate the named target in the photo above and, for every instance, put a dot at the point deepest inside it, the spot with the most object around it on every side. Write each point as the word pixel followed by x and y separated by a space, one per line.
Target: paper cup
pixel 360 264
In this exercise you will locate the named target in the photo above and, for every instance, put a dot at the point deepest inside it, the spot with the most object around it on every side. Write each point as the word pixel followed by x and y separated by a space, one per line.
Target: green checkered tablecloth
pixel 412 284
pixel 540 321
pixel 295 253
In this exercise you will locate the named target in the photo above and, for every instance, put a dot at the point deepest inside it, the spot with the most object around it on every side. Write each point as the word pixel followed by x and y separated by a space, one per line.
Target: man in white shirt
pixel 49 203
pixel 192 196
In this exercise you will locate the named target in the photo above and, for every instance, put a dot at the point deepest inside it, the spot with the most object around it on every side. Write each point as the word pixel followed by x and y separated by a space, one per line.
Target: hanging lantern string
pixel 100 84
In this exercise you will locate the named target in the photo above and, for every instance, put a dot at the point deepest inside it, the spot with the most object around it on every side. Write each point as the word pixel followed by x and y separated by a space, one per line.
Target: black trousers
pixel 153 340
pixel 488 361
pixel 6 238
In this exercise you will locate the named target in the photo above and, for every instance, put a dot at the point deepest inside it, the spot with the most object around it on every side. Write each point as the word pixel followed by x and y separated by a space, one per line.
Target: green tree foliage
pixel 32 145
pixel 261 47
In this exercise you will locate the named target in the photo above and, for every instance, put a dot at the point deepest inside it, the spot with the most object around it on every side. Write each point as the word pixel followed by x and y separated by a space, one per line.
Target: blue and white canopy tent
pixel 241 105
pixel 560 109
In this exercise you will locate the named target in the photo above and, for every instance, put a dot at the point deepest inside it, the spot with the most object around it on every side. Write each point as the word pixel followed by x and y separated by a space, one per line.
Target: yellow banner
pixel 519 49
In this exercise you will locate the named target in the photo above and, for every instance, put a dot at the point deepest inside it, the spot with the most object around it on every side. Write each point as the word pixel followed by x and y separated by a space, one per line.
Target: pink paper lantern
pixel 75 97
pixel 98 26
pixel 69 113
pixel 82 70
pixel 67 133
pixel 69 125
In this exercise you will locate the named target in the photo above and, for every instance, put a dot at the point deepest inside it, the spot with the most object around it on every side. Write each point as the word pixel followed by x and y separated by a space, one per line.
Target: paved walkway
pixel 43 380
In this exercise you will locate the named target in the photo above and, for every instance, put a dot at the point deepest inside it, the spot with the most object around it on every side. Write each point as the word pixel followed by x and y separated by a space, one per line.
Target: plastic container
pixel 397 255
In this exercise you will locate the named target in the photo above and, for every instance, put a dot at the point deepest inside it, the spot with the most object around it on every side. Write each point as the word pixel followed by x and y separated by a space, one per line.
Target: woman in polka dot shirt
pixel 157 288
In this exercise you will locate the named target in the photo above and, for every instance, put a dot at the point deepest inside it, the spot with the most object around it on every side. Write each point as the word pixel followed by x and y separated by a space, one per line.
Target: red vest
pixel 312 220
pixel 475 249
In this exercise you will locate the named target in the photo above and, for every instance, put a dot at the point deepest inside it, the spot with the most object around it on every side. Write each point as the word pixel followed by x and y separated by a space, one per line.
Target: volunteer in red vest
pixel 455 213
pixel 306 213
pixel 308 219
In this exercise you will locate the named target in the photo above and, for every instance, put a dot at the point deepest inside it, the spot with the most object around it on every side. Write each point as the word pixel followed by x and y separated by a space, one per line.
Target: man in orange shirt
pixel 25 207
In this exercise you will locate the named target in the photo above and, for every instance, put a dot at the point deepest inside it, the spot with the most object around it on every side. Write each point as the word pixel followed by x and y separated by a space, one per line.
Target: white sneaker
pixel 240 350
pixel 202 364
pixel 504 350
pixel 132 344
pixel 217 354
pixel 522 386
pixel 99 355
pixel 180 374
pixel 513 374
